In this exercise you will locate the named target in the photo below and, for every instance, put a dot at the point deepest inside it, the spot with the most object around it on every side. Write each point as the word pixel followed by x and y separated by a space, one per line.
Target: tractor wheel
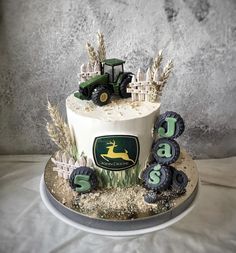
pixel 83 179
pixel 174 151
pixel 179 180
pixel 151 197
pixel 123 87
pixel 161 122
pixel 157 177
pixel 101 96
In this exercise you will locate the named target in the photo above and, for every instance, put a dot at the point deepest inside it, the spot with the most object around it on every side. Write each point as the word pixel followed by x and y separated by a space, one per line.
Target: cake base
pixel 140 225
pixel 113 228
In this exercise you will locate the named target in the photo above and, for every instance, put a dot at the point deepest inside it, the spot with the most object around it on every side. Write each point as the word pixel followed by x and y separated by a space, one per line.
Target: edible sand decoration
pixel 121 203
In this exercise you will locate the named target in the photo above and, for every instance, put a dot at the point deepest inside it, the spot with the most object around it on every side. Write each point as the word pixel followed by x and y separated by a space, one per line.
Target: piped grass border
pixel 123 178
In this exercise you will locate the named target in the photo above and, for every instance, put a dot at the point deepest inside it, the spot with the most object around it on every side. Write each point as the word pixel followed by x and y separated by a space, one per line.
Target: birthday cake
pixel 118 158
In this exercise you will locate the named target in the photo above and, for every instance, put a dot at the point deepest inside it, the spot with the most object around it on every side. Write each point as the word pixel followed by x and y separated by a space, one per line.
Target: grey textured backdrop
pixel 42 46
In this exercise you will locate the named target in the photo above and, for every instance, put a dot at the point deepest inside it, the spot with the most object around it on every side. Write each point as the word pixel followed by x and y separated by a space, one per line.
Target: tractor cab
pixel 113 67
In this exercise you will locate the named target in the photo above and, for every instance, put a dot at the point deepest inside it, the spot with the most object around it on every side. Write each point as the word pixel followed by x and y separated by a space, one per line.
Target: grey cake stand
pixel 121 228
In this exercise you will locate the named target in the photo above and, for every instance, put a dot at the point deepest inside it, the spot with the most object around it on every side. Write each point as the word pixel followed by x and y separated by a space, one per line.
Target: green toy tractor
pixel 113 80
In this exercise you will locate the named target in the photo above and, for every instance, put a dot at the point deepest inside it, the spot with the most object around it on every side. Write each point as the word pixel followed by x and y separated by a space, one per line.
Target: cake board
pixel 124 228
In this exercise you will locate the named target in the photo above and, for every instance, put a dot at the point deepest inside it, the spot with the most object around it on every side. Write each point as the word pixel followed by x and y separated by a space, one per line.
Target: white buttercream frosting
pixel 117 110
pixel 120 117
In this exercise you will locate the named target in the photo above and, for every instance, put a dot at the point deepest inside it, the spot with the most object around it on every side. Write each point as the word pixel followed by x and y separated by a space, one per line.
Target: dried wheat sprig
pixel 166 72
pixel 55 117
pixel 58 124
pixel 164 77
pixel 59 131
pixel 68 136
pixel 157 63
pixel 101 47
pixel 55 137
pixel 93 57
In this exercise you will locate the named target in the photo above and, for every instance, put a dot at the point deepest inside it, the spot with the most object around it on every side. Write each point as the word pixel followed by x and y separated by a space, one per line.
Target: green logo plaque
pixel 116 152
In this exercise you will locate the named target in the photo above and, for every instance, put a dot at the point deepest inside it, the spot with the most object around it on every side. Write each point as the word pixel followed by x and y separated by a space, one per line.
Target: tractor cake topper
pixel 102 157
pixel 101 78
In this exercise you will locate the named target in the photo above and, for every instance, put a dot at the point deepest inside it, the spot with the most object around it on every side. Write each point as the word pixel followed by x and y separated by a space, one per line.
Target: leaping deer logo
pixel 111 154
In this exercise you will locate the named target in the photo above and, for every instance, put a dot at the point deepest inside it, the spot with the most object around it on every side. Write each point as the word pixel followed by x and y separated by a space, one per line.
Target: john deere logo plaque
pixel 116 152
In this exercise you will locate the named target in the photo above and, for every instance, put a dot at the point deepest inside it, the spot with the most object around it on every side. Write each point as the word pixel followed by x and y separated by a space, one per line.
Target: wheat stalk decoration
pixel 59 131
pixel 166 72
pixel 101 47
pixel 156 63
pixel 93 57
pixel 164 76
